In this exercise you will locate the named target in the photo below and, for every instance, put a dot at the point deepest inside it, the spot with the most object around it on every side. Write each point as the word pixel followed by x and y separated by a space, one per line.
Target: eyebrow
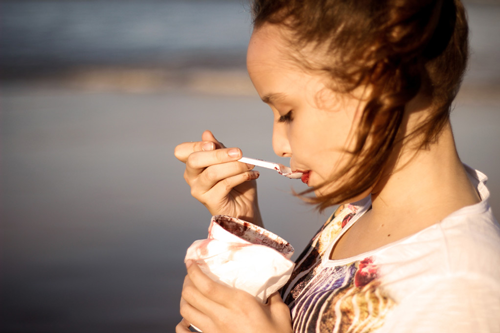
pixel 270 98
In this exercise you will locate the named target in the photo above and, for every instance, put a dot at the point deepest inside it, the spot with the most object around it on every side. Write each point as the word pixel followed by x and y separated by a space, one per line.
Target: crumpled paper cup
pixel 244 256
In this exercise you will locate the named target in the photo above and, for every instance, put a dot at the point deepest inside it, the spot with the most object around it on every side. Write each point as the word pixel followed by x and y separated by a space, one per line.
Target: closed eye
pixel 286 118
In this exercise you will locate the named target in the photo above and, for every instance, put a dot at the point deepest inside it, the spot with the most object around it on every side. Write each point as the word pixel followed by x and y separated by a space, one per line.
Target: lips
pixel 305 177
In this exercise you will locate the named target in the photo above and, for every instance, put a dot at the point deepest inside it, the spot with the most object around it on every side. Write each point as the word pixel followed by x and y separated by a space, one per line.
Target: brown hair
pixel 399 48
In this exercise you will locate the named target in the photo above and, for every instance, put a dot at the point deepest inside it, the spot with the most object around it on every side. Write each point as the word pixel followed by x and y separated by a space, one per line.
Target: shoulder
pixel 472 240
pixel 463 248
pixel 445 278
pixel 470 237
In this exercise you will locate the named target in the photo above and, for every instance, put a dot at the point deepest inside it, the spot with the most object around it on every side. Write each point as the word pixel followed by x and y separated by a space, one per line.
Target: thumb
pixel 274 299
pixel 208 136
pixel 279 310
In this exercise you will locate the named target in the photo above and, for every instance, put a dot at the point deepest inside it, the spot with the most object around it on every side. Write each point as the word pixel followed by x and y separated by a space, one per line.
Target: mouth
pixel 305 177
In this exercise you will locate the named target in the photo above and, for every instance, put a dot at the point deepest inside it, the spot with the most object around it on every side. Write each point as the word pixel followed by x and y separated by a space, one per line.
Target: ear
pixel 329 100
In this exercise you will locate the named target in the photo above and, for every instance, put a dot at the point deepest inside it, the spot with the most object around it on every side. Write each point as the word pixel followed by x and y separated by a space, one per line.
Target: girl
pixel 361 93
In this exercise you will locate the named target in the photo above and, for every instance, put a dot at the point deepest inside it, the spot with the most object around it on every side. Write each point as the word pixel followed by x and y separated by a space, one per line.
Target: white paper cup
pixel 244 256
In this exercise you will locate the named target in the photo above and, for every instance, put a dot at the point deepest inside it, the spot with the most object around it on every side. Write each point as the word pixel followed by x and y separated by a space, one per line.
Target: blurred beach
pixel 94 96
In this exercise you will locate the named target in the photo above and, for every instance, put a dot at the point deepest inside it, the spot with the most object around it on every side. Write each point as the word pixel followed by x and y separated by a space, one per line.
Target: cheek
pixel 307 139
pixel 298 139
pixel 326 147
pixel 276 139
pixel 281 143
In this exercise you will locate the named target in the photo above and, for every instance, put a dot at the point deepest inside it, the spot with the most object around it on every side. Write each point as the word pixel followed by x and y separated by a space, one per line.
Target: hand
pixel 221 183
pixel 217 308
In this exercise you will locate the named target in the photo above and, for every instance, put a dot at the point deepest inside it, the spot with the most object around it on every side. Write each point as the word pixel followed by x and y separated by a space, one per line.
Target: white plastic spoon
pixel 282 170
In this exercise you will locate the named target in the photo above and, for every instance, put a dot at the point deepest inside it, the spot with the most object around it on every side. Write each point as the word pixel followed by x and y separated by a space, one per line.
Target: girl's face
pixel 312 124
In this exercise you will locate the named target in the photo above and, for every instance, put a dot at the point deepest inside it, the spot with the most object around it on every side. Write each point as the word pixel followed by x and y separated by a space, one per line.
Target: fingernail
pixel 189 263
pixel 207 146
pixel 234 152
pixel 256 174
pixel 250 166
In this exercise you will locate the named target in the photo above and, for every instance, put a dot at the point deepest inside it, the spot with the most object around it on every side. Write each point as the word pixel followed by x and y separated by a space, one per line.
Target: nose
pixel 281 144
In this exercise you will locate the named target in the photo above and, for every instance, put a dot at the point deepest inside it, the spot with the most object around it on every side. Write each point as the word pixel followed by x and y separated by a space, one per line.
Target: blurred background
pixel 94 96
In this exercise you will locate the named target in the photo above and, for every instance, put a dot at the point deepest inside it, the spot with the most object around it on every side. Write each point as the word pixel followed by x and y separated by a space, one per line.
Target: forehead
pixel 268 46
pixel 270 66
pixel 274 47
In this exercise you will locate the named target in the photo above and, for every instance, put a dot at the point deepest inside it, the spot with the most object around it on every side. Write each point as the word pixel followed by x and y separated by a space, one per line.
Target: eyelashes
pixel 286 118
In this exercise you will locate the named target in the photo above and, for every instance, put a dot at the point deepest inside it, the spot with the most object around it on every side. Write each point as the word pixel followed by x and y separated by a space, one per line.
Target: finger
pixel 215 173
pixel 192 315
pixel 278 308
pixel 185 149
pixel 226 185
pixel 182 327
pixel 208 136
pixel 198 301
pixel 185 326
pixel 274 299
pixel 210 289
pixel 198 161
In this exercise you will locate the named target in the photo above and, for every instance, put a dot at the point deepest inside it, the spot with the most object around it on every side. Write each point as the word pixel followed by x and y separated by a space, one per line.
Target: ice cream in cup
pixel 244 256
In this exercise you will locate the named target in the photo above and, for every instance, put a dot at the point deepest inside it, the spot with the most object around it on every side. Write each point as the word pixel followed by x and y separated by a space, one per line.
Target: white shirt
pixel 445 278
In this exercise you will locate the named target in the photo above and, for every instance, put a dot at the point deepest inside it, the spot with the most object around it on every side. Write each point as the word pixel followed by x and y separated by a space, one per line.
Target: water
pixel 56 33
pixel 41 34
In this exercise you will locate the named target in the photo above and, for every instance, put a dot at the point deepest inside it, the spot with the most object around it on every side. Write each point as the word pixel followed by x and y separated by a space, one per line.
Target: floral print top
pixel 343 298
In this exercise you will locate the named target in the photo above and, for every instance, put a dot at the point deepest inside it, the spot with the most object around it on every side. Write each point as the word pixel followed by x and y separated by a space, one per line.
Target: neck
pixel 421 188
